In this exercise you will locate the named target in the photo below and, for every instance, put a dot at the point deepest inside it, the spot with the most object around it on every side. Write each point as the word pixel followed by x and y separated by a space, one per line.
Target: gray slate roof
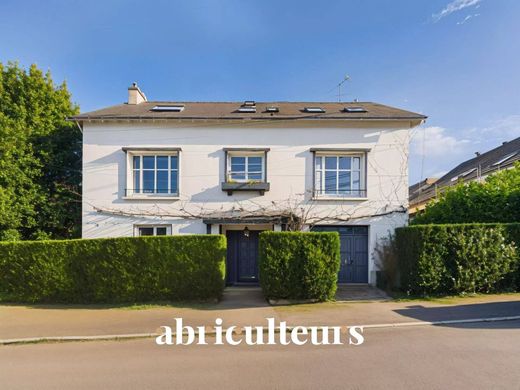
pixel 469 170
pixel 228 111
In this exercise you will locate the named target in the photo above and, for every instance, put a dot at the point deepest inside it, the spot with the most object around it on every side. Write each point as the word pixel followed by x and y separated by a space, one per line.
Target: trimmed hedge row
pixel 458 258
pixel 114 270
pixel 299 265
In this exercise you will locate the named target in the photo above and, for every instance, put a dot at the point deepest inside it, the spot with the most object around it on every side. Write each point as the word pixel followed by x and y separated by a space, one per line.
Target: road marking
pixel 30 340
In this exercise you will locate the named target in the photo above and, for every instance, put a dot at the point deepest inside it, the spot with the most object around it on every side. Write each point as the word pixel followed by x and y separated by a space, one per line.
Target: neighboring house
pixel 475 169
pixel 156 168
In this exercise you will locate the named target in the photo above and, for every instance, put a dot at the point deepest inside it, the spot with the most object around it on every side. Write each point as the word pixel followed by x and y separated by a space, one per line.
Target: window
pixel 504 159
pixel 354 109
pixel 469 171
pixel 314 109
pixel 154 174
pixel 340 176
pixel 247 109
pixel 173 108
pixel 153 230
pixel 246 167
pixel 248 106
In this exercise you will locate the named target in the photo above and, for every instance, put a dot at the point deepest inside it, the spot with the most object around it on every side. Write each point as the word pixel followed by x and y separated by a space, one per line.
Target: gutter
pixel 139 118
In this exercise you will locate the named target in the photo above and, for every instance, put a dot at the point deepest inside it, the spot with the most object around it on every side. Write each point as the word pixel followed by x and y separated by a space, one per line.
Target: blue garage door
pixel 354 252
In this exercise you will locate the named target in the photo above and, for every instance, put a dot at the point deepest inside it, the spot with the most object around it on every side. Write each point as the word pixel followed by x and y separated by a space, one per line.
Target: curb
pixel 443 322
pixel 240 330
pixel 284 302
pixel 30 340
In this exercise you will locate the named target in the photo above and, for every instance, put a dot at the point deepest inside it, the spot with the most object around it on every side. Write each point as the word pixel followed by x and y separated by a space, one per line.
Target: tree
pixel 497 199
pixel 40 157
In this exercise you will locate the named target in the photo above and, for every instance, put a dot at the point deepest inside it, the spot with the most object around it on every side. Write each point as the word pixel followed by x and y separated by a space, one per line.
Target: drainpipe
pixel 79 127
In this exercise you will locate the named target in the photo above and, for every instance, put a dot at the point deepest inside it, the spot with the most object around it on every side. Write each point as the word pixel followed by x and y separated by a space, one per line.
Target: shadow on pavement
pixel 466 312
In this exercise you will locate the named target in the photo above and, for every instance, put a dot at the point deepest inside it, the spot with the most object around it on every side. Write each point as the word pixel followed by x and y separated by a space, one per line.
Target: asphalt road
pixel 472 356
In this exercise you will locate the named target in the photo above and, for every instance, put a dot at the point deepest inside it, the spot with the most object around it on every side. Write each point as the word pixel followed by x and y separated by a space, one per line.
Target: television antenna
pixel 340 84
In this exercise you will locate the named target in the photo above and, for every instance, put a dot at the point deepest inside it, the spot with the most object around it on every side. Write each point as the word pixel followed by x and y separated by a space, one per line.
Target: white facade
pixel 109 210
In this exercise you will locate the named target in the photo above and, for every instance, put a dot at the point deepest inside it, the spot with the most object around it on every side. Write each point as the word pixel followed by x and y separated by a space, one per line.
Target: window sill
pixel 151 197
pixel 339 198
pixel 260 187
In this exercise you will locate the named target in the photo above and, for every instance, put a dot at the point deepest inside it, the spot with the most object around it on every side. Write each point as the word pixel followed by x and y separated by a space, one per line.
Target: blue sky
pixel 456 61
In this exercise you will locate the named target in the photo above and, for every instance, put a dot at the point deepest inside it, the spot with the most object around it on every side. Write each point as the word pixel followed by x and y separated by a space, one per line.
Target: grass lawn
pixel 304 307
pixel 119 306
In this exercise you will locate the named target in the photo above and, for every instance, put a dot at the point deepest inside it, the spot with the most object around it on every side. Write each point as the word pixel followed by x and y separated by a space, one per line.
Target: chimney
pixel 477 154
pixel 135 95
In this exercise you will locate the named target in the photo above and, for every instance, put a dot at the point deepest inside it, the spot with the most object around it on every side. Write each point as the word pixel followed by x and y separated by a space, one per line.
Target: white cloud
pixel 433 141
pixel 435 150
pixel 468 17
pixel 454 6
pixel 439 174
pixel 504 129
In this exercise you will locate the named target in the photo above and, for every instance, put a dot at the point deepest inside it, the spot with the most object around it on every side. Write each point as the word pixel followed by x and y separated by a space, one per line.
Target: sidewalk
pixel 239 307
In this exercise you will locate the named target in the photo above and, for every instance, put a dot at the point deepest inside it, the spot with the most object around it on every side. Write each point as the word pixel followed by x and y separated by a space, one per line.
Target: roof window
pixel 504 159
pixel 248 106
pixel 172 108
pixel 469 171
pixel 314 109
pixel 250 109
pixel 354 109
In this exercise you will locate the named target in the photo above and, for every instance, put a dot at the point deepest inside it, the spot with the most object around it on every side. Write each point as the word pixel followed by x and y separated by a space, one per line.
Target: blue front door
pixel 242 256
pixel 353 250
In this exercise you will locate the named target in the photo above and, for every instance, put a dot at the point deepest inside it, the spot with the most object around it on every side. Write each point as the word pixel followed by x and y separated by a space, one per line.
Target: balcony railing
pixel 340 193
pixel 129 192
pixel 243 177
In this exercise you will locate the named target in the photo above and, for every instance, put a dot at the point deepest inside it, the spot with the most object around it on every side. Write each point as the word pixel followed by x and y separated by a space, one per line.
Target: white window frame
pixel 319 188
pixel 154 226
pixel 245 154
pixel 130 191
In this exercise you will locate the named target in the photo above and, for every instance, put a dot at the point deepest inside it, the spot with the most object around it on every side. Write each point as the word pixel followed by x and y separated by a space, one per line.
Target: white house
pixel 152 168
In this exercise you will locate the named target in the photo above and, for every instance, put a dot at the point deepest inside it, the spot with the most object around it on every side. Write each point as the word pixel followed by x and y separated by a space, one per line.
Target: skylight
pixel 247 109
pixel 504 159
pixel 464 174
pixel 272 109
pixel 173 108
pixel 313 109
pixel 354 109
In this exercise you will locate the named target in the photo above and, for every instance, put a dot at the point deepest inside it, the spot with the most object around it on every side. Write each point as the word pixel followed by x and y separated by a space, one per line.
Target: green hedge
pixel 458 258
pixel 113 270
pixel 299 265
